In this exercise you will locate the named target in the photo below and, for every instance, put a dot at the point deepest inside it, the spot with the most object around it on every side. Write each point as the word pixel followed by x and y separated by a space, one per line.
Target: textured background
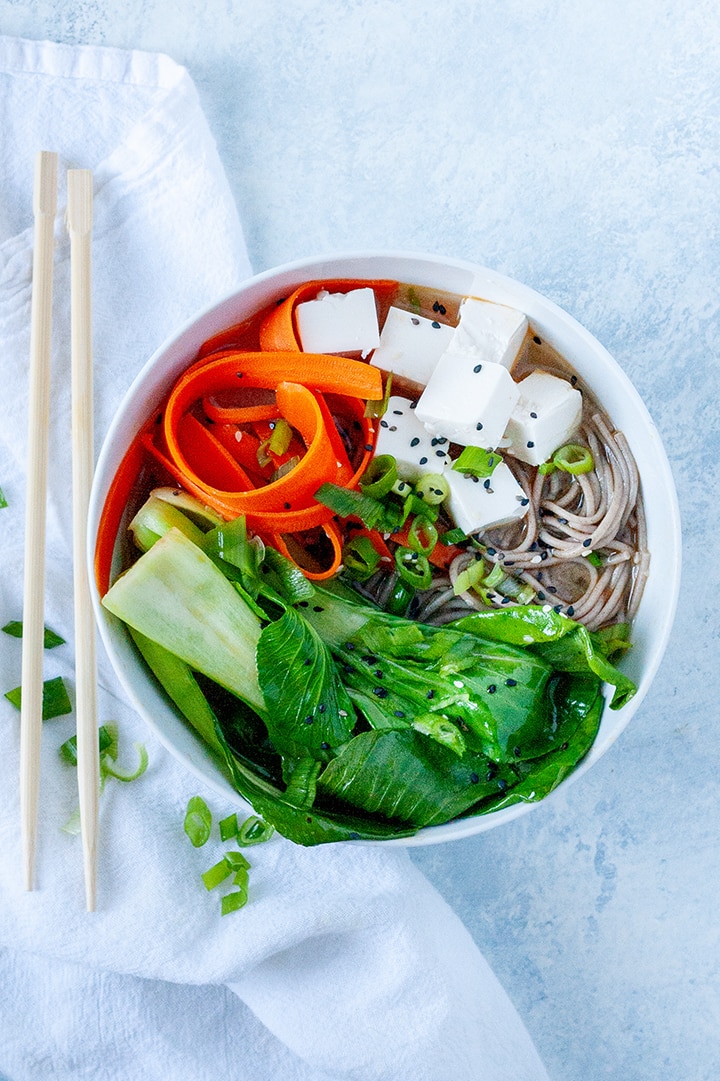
pixel 576 148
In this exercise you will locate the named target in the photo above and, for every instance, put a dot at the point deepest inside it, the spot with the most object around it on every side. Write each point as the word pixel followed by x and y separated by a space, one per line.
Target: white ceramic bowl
pixel 591 361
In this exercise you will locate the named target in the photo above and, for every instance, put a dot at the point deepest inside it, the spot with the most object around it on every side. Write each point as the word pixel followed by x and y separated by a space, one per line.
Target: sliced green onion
pixel 50 639
pixel 216 874
pixel 107 739
pixel 547 467
pixel 3 500
pixel 228 827
pixel 413 568
pixel 281 437
pixel 348 503
pixel 470 577
pixel 241 877
pixel 254 831
pixel 231 902
pixel 432 488
pixel 495 577
pixel 379 477
pixel 360 558
pixel 422 535
pixel 477 462
pixel 198 821
pixel 399 599
pixel 573 458
pixel 238 861
pixel 107 770
pixel 594 559
pixel 55 698
pixel 286 467
pixel 414 504
pixel 453 536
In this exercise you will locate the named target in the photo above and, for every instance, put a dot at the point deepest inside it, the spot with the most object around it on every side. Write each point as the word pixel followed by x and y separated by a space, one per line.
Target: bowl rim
pixel 492 285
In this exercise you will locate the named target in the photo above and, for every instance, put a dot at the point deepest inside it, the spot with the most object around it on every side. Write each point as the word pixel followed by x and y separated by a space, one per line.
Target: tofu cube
pixel 546 415
pixel 477 503
pixel 411 345
pixel 490 332
pixel 414 449
pixel 339 322
pixel 468 400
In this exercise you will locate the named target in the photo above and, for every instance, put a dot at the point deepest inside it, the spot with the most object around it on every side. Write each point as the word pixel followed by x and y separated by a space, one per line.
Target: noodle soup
pixel 218 420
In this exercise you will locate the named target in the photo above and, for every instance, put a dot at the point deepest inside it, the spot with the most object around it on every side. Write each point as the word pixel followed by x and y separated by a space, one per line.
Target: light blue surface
pixel 577 148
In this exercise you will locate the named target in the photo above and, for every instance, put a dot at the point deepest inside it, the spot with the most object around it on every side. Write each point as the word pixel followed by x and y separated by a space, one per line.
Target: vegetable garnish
pixel 55 698
pixel 3 500
pixel 50 638
pixel 198 821
pixel 350 722
pixel 198 827
pixel 572 458
pixel 477 462
pixel 108 743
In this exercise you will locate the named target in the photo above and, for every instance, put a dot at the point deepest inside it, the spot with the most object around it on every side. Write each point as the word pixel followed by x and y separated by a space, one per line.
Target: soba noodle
pixel 569 517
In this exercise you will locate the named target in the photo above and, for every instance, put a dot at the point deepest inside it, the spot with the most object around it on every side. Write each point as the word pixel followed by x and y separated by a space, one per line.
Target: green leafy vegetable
pixel 335 720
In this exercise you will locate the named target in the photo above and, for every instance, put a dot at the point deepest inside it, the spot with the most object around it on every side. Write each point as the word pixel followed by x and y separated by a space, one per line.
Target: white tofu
pixel 468 400
pixel 489 331
pixel 414 449
pixel 339 322
pixel 411 345
pixel 547 414
pixel 476 503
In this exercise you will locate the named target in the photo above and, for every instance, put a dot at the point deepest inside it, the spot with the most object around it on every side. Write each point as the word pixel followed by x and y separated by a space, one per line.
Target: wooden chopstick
pixel 44 209
pixel 79 224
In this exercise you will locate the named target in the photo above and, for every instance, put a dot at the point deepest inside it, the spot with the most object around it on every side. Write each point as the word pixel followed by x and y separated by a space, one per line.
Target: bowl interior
pixel 594 366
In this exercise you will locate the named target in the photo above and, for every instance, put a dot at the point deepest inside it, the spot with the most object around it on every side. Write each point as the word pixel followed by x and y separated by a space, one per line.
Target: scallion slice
pixel 413 568
pixel 422 535
pixel 573 458
pixel 216 874
pixel 360 558
pixel 281 437
pixel 228 827
pixel 477 462
pixel 432 488
pixel 379 477
pixel 231 902
pixel 3 500
pixel 198 821
pixel 50 639
pixel 55 698
pixel 254 830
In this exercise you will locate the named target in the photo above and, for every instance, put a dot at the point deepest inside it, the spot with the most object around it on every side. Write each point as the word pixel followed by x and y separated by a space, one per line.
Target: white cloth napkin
pixel 345 963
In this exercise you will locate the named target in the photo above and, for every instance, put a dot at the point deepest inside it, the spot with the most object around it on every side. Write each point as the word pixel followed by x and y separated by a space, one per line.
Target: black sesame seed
pixel 441 454
pixel 511 683
pixel 322 707
pixel 491 689
pixel 414 441
pixel 436 325
pixel 541 596
pixel 393 427
pixel 491 551
pixel 380 692
pixel 534 416
pixel 318 608
pixel 557 608
pixel 530 443
pixel 502 784
pixel 552 589
pixel 324 746
pixel 307 662
pixel 370 659
pixel 477 368
pixel 368 446
pixel 414 320
pixel 303 604
pixel 537 340
pixel 474 778
pixel 476 480
pixel 436 307
pixel 398 713
pixel 573 379
pixel 524 501
pixel 397 412
pixel 486 484
pixel 423 461
pixel 383 424
pixel 430 694
pixel 517 752
pixel 379 674
pixel 308 719
pixel 571 611
pixel 478 426
pixel 587 542
pixel 287 506
pixel 413 405
pixel 239 375
pixel 349 646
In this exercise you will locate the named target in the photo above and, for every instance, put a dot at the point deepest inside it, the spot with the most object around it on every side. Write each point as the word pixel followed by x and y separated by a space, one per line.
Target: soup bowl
pixel 596 370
